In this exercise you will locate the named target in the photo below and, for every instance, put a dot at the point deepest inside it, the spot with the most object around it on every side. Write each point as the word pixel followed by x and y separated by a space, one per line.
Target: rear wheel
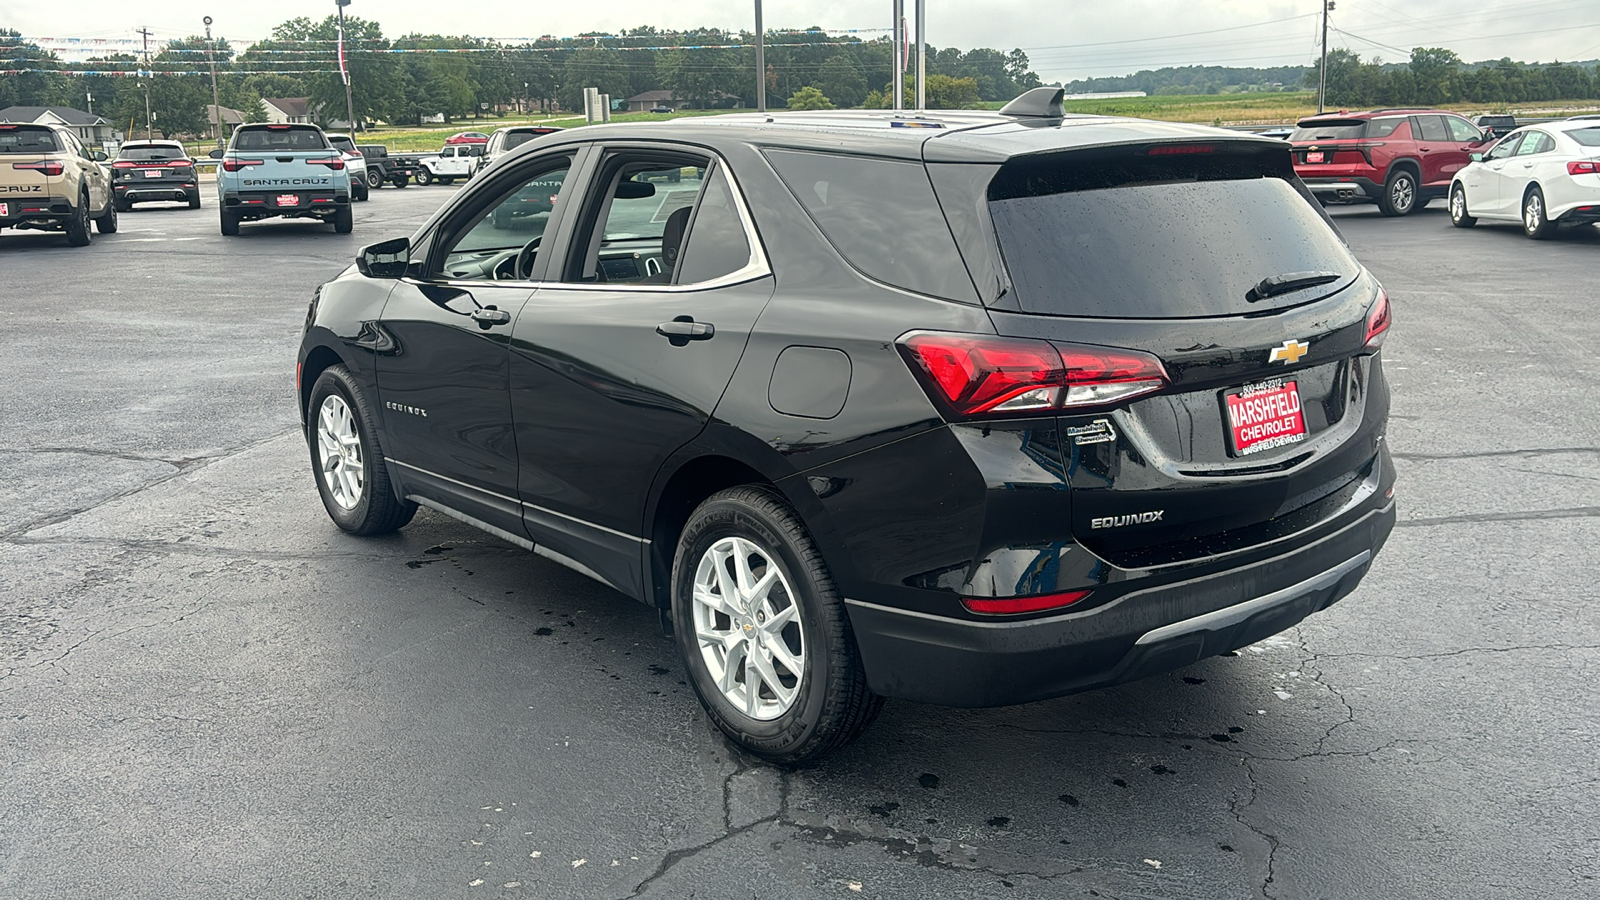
pixel 106 223
pixel 230 222
pixel 123 205
pixel 447 179
pixel 1458 208
pixel 194 200
pixel 401 181
pixel 763 632
pixel 344 220
pixel 351 476
pixel 78 225
pixel 1399 194
pixel 424 178
pixel 1535 223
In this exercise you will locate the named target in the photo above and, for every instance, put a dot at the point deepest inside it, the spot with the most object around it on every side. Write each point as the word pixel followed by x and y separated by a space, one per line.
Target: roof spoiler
pixel 1041 102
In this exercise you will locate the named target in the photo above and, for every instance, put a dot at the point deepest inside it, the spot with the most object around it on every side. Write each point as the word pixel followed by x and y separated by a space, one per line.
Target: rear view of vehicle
pixel 1398 159
pixel 504 140
pixel 51 182
pixel 288 171
pixel 154 170
pixel 354 163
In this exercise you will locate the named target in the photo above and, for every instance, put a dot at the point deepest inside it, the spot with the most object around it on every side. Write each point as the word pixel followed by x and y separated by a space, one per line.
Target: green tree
pixel 1431 68
pixel 840 79
pixel 945 92
pixel 809 98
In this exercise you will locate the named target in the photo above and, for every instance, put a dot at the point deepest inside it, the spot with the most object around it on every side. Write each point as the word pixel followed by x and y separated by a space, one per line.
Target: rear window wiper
pixel 1291 281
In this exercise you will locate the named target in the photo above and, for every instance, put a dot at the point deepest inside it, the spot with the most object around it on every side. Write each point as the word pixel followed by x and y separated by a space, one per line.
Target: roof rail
pixel 1040 102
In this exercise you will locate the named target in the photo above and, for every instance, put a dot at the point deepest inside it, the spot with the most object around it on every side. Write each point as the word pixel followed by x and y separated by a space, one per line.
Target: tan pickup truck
pixel 49 181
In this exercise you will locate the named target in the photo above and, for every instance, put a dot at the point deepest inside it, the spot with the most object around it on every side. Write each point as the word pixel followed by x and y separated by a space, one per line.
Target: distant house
pixel 651 99
pixel 287 110
pixel 90 128
pixel 231 118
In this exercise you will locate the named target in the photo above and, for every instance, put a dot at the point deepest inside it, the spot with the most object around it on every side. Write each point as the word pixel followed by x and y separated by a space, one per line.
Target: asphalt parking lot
pixel 207 690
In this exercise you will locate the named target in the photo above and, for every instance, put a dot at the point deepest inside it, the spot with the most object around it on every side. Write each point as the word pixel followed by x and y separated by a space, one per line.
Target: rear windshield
pixel 1589 137
pixel 343 143
pixel 1330 130
pixel 145 153
pixel 27 139
pixel 1123 235
pixel 287 139
pixel 518 138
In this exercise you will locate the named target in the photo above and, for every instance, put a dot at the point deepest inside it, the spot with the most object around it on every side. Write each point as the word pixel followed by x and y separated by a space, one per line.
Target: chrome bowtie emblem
pixel 1289 352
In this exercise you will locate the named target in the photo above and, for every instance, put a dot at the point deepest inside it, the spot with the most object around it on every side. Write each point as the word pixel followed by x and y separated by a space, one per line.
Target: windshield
pixel 147 152
pixel 1332 130
pixel 28 140
pixel 1148 238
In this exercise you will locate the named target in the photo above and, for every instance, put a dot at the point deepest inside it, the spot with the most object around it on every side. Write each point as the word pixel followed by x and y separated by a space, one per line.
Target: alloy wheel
pixel 339 447
pixel 1403 194
pixel 747 626
pixel 1533 212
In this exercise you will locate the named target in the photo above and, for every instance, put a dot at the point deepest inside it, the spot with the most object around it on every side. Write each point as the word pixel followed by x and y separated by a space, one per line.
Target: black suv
pixel 968 408
pixel 154 170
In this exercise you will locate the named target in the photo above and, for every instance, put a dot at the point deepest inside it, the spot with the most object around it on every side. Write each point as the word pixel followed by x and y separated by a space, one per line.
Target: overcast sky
pixel 1065 39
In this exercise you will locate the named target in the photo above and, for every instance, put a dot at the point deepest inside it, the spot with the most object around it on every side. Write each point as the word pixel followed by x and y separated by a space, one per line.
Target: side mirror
pixel 215 154
pixel 100 156
pixel 385 259
pixel 1476 157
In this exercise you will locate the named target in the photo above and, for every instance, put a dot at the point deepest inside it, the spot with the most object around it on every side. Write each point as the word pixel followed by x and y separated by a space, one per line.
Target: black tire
pixel 1458 208
pixel 77 227
pixel 1535 221
pixel 831 703
pixel 377 510
pixel 447 179
pixel 123 205
pixel 194 200
pixel 344 220
pixel 424 178
pixel 401 181
pixel 375 178
pixel 106 223
pixel 230 222
pixel 1400 194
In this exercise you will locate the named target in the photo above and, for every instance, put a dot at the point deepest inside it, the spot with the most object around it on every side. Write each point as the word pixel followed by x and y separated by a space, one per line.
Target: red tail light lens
pixel 333 162
pixel 1013 605
pixel 972 375
pixel 1181 149
pixel 123 164
pixel 234 165
pixel 1378 321
pixel 48 167
pixel 1583 167
pixel 177 164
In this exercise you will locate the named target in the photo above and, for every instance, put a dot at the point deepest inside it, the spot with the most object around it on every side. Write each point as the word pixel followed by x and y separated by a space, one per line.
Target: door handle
pixel 487 317
pixel 1425 149
pixel 684 329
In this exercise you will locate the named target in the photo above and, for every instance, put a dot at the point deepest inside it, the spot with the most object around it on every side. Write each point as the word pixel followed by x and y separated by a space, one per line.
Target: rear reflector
pixel 1002 606
pixel 972 375
pixel 1583 167
pixel 1378 321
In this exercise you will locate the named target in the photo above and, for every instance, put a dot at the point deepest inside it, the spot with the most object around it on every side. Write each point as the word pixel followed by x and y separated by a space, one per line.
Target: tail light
pixel 234 165
pixel 1000 606
pixel 333 162
pixel 49 167
pixel 973 375
pixel 1180 149
pixel 123 164
pixel 177 164
pixel 1583 167
pixel 1378 321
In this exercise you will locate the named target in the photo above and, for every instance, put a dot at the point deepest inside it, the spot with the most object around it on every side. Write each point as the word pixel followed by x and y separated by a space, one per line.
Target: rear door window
pixel 1536 142
pixel 1382 128
pixel 1431 128
pixel 1462 130
pixel 1117 234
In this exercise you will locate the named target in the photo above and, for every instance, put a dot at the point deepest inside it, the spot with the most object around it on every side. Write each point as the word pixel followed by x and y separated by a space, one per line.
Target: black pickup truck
pixel 383 169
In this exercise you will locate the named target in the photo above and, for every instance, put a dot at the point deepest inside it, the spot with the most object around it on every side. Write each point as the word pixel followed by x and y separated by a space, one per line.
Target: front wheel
pixel 763 632
pixel 424 178
pixel 351 476
pixel 375 177
pixel 1399 194
pixel 1535 223
pixel 1458 208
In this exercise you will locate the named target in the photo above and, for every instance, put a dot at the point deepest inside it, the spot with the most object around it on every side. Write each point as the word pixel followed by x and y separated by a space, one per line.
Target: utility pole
pixel 922 56
pixel 216 104
pixel 897 85
pixel 1322 76
pixel 761 62
pixel 349 103
pixel 149 120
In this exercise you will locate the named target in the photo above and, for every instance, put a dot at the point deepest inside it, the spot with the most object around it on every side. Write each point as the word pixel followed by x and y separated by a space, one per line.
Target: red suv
pixel 1397 158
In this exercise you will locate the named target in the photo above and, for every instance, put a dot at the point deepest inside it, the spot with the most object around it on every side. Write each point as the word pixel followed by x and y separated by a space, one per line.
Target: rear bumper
pixel 934 659
pixel 135 192
pixel 1343 188
pixel 264 204
pixel 34 209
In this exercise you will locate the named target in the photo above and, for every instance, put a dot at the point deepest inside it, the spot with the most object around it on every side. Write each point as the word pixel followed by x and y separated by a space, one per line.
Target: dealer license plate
pixel 5 209
pixel 152 173
pixel 1315 156
pixel 1264 415
pixel 288 199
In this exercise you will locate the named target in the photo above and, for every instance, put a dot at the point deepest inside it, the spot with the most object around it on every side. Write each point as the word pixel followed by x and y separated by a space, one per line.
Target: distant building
pixel 90 128
pixel 1106 95
pixel 231 118
pixel 287 110
pixel 651 99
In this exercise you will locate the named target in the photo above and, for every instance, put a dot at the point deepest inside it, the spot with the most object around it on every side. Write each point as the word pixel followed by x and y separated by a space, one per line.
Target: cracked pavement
pixel 207 690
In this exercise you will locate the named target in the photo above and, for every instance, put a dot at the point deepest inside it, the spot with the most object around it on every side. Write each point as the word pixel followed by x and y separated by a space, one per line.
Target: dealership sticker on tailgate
pixel 1265 415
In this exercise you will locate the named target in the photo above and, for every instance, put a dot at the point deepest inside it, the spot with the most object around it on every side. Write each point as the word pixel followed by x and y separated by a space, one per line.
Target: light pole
pixel 922 57
pixel 1322 79
pixel 898 85
pixel 216 104
pixel 349 104
pixel 761 62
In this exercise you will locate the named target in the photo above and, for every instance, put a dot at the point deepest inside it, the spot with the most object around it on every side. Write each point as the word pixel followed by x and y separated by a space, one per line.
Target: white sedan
pixel 1543 176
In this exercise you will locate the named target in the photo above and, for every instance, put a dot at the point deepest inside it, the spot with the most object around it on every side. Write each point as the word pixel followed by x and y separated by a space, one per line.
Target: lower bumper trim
pixel 1228 617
